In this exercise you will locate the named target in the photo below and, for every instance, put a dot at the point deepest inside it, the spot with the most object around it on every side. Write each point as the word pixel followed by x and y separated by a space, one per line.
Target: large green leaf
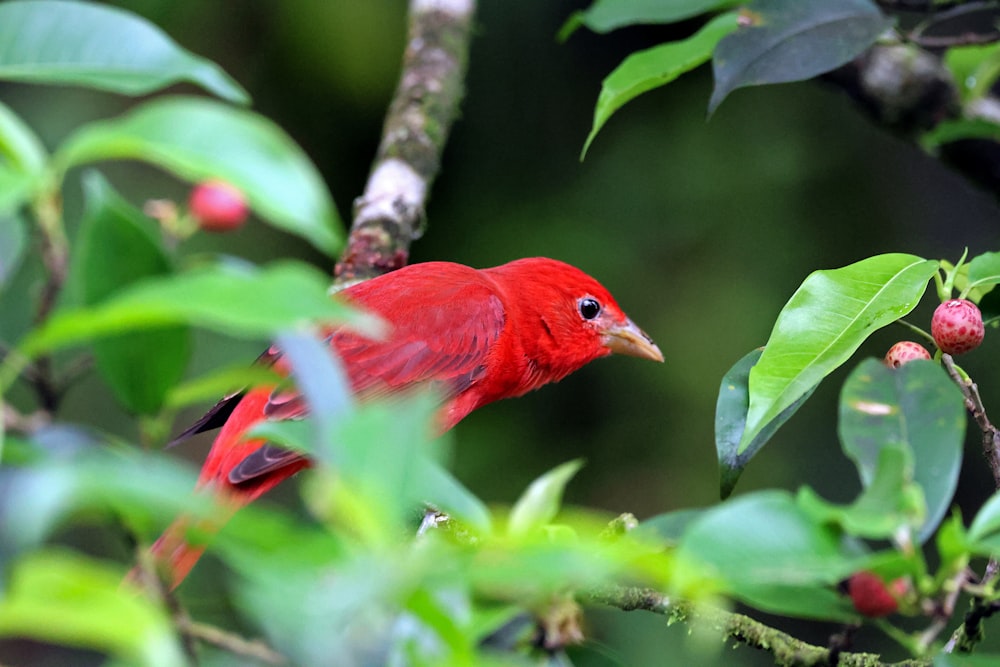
pixel 606 15
pixel 645 70
pixel 239 301
pixel 68 599
pixel 822 325
pixel 199 139
pixel 774 555
pixel 117 246
pixel 731 420
pixel 87 44
pixel 975 68
pixel 792 40
pixel 915 407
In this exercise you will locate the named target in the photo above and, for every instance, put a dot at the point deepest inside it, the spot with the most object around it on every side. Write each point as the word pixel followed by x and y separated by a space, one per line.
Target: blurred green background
pixel 701 228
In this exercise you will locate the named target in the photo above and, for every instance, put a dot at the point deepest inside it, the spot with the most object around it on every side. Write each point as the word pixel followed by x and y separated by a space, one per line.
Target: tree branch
pixel 787 650
pixel 390 213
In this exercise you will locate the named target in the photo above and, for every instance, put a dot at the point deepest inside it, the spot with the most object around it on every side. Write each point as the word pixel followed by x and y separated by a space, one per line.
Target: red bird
pixel 478 335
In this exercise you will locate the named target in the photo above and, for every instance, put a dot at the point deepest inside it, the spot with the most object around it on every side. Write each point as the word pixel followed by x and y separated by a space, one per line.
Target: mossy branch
pixel 786 649
pixel 390 213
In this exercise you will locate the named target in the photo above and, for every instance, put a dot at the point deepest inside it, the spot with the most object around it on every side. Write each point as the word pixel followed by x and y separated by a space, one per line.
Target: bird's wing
pixel 441 336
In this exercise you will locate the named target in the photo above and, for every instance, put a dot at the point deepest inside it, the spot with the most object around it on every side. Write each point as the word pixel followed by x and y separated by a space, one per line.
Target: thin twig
pixel 235 644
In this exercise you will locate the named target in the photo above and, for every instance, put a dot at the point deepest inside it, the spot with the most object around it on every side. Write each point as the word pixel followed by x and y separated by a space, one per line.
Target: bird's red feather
pixel 476 335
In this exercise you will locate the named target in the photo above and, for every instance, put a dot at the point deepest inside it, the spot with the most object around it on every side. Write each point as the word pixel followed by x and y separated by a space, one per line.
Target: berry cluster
pixel 957 328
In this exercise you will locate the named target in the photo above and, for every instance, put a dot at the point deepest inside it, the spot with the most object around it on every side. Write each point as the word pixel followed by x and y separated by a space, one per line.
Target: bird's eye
pixel 589 308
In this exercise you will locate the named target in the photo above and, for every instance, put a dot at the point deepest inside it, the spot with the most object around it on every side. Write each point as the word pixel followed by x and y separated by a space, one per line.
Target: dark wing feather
pixel 219 413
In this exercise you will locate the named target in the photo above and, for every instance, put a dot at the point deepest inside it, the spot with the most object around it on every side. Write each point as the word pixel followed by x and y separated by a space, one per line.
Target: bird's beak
pixel 626 338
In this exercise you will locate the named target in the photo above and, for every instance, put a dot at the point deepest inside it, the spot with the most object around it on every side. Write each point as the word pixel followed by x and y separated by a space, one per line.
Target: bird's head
pixel 576 317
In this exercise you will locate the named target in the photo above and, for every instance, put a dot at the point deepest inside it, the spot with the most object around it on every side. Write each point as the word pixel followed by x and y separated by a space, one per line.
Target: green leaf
pixel 987 520
pixel 645 70
pixel 437 487
pixel 145 490
pixel 607 15
pixel 239 301
pixel 984 271
pixel 915 407
pixel 956 130
pixel 117 246
pixel 221 382
pixel 822 325
pixel 793 40
pixel 974 67
pixel 773 555
pixel 19 144
pixel 669 526
pixel 198 139
pixel 91 45
pixel 890 502
pixel 64 598
pixel 540 502
pixel 731 418
pixel 13 242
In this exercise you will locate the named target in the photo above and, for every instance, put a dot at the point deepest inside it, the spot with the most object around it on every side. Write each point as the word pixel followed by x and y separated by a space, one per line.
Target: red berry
pixel 870 595
pixel 957 326
pixel 217 206
pixel 904 352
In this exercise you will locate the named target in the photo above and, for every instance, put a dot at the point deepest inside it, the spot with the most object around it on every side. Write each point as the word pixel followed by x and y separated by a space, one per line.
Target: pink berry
pixel 870 596
pixel 904 352
pixel 957 326
pixel 217 206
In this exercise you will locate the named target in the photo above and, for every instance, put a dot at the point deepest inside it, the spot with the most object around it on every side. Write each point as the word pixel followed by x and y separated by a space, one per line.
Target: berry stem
pixel 916 330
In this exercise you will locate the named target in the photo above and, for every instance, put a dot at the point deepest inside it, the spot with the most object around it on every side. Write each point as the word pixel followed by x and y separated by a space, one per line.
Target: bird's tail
pixel 181 545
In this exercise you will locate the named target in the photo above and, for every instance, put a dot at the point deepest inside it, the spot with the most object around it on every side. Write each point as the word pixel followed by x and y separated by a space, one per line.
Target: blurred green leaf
pixel 606 15
pixel 794 40
pixel 13 242
pixel 824 323
pixel 19 145
pixel 669 526
pixel 645 70
pixel 890 502
pixel 541 501
pixel 975 68
pixel 143 489
pixel 199 139
pixel 955 130
pixel 323 382
pixel 221 382
pixel 731 418
pixel 117 247
pixel 235 300
pixel 987 520
pixel 86 44
pixel 68 599
pixel 915 407
pixel 953 547
pixel 773 555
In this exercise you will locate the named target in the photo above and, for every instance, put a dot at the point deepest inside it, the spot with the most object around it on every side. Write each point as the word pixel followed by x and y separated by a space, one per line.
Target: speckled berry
pixel 870 596
pixel 904 352
pixel 957 326
pixel 217 206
